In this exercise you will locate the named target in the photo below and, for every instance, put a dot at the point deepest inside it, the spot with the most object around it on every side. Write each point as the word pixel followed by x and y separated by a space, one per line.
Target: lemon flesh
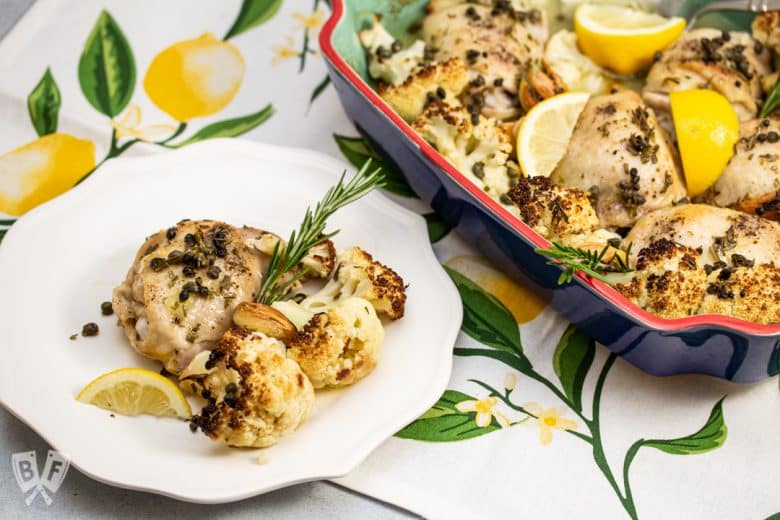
pixel 195 78
pixel 623 39
pixel 545 132
pixel 42 169
pixel 707 129
pixel 134 391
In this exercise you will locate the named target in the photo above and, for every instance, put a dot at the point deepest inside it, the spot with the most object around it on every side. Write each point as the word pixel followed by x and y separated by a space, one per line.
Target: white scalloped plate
pixel 62 259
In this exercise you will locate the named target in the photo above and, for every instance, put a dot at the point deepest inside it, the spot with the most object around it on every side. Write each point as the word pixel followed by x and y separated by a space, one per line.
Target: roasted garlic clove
pixel 257 317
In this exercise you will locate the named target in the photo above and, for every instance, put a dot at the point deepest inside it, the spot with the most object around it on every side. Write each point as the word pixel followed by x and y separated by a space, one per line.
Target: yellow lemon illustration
pixel 195 78
pixel 38 171
pixel 522 302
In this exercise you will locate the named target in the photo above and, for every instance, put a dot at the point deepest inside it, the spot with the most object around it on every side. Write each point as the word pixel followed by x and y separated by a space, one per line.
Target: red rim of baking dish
pixel 608 293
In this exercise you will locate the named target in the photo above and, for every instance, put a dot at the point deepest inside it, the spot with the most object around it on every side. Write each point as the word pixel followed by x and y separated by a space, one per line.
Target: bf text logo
pixel 26 472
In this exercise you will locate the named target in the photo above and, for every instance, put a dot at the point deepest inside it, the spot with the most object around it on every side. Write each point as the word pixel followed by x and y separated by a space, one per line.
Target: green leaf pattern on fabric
pixel 437 228
pixel 445 423
pixel 711 436
pixel 107 67
pixel 485 318
pixel 43 105
pixel 571 362
pixel 357 150
pixel 229 127
pixel 252 14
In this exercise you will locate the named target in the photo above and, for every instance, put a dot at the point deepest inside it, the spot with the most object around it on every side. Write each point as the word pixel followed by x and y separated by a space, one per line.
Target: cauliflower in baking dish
pixel 357 275
pixel 669 280
pixel 255 393
pixel 340 346
pixel 443 81
pixel 476 146
pixel 387 61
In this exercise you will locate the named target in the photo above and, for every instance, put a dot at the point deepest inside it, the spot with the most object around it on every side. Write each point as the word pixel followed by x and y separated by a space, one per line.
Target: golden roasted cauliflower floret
pixel 341 346
pixel 748 292
pixel 359 275
pixel 668 281
pixel 478 147
pixel 256 394
pixel 552 211
pixel 443 80
pixel 387 61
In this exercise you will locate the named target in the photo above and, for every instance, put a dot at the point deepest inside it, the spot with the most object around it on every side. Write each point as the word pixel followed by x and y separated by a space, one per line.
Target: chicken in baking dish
pixel 651 151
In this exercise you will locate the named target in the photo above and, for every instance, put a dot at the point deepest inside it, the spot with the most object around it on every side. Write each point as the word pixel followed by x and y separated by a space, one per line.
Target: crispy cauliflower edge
pixel 341 346
pixel 357 275
pixel 671 282
pixel 255 393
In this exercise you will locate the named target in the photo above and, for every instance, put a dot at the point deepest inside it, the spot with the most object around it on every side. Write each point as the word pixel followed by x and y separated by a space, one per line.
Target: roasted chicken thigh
pixel 180 292
pixel 621 157
pixel 751 180
pixel 498 41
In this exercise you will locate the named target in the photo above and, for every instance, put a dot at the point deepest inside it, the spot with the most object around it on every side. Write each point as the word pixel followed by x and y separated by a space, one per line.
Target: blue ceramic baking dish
pixel 720 346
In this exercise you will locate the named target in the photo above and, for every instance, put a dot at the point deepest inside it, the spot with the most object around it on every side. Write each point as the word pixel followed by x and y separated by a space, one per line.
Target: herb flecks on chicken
pixel 619 149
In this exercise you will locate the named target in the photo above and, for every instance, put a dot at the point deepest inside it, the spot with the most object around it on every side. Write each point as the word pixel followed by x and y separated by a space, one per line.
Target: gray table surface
pixel 81 497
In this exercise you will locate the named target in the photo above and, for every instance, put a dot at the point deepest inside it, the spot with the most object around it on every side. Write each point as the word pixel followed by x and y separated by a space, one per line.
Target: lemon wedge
pixel 545 132
pixel 707 129
pixel 621 38
pixel 134 391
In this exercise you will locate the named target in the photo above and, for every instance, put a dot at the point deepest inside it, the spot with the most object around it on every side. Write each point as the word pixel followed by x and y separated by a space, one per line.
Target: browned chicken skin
pixel 620 155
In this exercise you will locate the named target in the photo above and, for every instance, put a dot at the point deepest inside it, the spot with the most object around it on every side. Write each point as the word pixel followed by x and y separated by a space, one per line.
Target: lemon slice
pixel 621 38
pixel 134 391
pixel 545 132
pixel 707 129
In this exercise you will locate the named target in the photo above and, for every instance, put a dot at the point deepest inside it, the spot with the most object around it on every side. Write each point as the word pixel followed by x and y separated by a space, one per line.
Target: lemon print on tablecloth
pixel 41 170
pixel 195 78
pixel 522 302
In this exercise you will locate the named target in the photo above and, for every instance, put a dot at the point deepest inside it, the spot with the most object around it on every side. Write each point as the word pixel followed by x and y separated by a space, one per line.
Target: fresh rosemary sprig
pixel 589 262
pixel 311 231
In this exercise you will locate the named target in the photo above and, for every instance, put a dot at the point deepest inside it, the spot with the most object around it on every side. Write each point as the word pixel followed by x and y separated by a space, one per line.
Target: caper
pixel 171 233
pixel 175 256
pixel 190 239
pixel 213 272
pixel 478 170
pixel 504 198
pixel 106 308
pixel 203 291
pixel 773 137
pixel 158 264
pixel 188 271
pixel 90 329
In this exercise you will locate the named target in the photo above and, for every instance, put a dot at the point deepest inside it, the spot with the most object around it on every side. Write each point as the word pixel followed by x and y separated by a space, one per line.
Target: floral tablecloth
pixel 537 420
